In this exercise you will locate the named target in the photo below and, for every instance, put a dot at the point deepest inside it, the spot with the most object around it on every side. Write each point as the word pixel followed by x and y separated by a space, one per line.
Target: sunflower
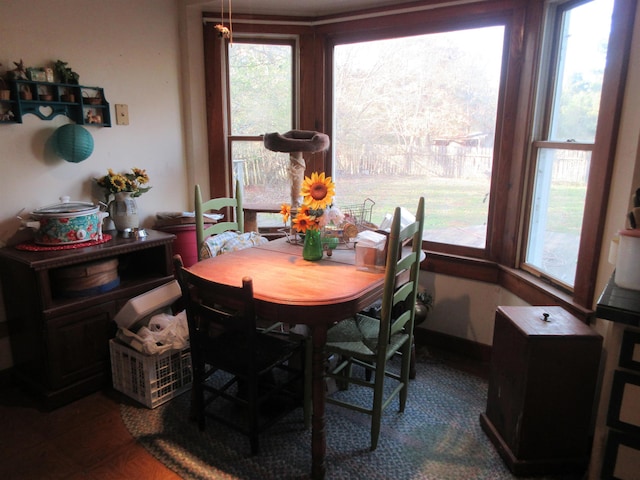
pixel 318 191
pixel 304 209
pixel 132 182
pixel 119 182
pixel 285 211
pixel 140 175
pixel 304 222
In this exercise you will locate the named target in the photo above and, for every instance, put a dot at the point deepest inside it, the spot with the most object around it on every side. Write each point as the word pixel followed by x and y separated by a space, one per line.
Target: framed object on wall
pixel 622 457
pixel 630 350
pixel 623 407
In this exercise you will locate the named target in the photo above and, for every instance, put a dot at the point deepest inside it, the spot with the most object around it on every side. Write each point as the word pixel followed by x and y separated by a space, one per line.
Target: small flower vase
pixel 124 212
pixel 312 248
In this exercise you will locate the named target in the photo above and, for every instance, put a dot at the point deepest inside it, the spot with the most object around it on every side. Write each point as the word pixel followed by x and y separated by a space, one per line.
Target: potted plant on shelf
pixel 5 93
pixel 68 76
pixel 20 73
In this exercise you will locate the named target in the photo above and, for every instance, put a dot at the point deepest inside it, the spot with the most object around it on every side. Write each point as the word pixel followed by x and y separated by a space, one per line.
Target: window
pixel 261 100
pixel 568 106
pixel 417 114
pixel 475 110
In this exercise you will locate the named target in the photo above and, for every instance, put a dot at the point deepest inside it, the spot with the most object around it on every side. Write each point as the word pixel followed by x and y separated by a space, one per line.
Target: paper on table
pixel 406 218
pixel 211 216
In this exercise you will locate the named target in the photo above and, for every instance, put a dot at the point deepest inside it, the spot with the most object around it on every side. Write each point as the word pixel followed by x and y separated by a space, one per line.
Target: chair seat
pixel 229 352
pixel 358 337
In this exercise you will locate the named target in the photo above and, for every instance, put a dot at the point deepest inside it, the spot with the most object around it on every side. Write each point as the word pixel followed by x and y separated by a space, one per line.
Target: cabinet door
pixel 508 379
pixel 78 344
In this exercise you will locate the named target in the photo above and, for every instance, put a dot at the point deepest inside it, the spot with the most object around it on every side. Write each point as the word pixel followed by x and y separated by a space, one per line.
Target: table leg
pixel 250 221
pixel 318 435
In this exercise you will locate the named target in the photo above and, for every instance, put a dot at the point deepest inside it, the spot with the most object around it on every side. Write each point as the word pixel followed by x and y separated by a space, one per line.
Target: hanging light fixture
pixel 224 31
pixel 73 143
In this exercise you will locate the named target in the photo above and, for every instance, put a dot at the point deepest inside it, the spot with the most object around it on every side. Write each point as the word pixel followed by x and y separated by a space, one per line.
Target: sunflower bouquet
pixel 133 182
pixel 317 210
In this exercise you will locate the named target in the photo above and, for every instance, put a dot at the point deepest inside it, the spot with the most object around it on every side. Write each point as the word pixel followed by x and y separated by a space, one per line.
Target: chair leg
pixel 376 413
pixel 405 368
pixel 196 412
pixel 308 404
pixel 253 412
pixel 412 364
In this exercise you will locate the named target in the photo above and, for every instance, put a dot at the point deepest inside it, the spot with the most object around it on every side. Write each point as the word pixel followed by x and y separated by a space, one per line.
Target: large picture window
pixel 417 115
pixel 501 114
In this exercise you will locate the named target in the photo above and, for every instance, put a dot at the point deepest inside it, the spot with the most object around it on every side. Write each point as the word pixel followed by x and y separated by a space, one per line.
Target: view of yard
pixel 470 205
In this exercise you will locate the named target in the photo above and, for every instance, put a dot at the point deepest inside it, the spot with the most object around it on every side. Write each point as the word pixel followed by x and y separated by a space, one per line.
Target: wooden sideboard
pixel 60 344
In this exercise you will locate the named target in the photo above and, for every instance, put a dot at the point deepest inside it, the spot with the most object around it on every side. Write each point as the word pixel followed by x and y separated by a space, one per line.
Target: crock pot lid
pixel 67 207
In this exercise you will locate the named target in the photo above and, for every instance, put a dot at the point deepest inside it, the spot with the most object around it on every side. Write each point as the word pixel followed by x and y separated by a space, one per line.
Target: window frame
pixel 290 41
pixel 541 135
pixel 500 262
pixel 602 149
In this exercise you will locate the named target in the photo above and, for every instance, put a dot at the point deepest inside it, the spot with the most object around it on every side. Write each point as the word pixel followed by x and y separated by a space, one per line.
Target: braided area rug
pixel 438 437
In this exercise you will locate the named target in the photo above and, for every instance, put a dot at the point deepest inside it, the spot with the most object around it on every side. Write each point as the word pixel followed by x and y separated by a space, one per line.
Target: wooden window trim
pixel 499 263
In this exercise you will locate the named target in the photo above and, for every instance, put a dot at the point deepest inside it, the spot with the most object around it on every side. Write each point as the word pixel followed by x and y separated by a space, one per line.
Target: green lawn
pixel 448 202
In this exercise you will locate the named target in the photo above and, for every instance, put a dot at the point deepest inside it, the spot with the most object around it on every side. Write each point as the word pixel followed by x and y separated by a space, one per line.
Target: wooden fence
pixel 443 161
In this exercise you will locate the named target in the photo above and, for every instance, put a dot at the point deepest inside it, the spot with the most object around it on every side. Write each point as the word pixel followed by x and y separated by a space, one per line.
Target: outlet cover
pixel 122 114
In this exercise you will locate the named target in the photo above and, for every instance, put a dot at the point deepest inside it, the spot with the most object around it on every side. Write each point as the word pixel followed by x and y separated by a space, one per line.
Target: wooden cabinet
pixel 541 389
pixel 60 344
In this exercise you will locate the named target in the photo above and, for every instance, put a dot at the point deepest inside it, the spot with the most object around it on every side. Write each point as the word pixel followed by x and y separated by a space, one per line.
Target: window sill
pixel 522 284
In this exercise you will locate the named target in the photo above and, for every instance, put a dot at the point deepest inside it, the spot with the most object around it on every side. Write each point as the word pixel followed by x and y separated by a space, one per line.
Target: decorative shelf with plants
pixel 41 96
pixel 82 104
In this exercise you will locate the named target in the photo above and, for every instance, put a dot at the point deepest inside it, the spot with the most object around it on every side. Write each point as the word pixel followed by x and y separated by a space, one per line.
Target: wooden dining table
pixel 292 290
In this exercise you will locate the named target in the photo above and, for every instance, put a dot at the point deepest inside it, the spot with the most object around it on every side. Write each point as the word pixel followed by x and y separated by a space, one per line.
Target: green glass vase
pixel 312 248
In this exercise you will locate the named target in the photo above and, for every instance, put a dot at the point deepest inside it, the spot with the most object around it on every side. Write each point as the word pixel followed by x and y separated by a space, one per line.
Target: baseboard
pixel 460 346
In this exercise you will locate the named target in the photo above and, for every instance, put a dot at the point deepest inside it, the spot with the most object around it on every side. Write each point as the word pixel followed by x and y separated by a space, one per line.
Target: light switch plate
pixel 122 114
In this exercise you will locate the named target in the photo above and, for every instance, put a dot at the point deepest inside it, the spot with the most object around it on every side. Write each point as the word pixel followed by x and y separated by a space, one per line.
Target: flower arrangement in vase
pixel 315 213
pixel 125 187
pixel 132 182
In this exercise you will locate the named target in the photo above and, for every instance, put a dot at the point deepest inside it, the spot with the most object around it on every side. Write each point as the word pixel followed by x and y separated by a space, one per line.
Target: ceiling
pixel 305 8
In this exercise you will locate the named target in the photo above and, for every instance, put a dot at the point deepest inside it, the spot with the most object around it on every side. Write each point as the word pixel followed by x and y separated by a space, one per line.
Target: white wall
pixel 132 50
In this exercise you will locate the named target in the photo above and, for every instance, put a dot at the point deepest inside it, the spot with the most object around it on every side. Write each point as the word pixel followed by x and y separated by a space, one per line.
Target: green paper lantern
pixel 73 143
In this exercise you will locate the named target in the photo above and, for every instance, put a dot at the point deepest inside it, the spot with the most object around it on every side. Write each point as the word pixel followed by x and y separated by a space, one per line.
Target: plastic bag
pixel 164 332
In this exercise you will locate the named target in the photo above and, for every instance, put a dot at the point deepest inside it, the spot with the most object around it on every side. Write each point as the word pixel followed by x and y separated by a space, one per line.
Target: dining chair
pixel 372 342
pixel 233 364
pixel 235 222
pixel 229 232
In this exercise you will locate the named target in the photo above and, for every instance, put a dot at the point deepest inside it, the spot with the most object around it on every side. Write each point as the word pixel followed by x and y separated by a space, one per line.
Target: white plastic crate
pixel 150 379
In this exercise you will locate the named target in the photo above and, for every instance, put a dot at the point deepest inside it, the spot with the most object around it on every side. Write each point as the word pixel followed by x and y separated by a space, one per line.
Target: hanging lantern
pixel 73 143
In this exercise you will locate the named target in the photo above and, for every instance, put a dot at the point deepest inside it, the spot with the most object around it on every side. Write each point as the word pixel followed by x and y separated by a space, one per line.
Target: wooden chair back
pixel 401 277
pixel 231 207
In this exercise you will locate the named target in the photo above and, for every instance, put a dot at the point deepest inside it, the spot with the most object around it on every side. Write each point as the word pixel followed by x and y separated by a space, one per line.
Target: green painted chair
pixel 235 222
pixel 371 342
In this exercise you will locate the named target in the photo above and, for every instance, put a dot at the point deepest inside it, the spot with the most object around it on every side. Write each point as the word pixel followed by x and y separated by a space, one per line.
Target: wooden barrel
pixel 87 278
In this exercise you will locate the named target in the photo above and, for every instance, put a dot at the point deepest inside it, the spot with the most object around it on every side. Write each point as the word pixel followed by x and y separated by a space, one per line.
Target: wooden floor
pixel 86 439
pixel 83 440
